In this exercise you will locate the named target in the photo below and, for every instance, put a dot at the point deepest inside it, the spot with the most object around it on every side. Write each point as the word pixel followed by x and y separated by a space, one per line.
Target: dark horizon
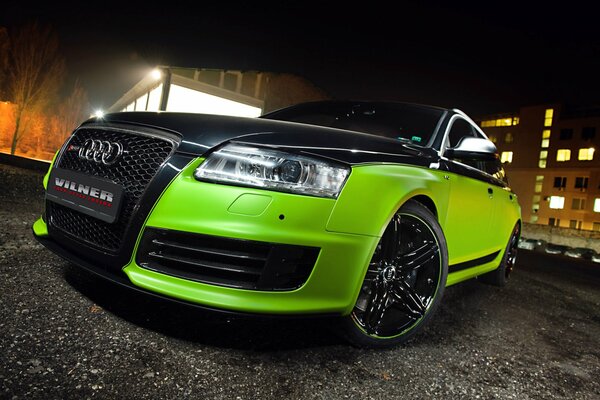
pixel 483 61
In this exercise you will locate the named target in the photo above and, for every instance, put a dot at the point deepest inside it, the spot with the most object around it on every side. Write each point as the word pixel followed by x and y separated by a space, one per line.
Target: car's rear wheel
pixel 501 275
pixel 404 282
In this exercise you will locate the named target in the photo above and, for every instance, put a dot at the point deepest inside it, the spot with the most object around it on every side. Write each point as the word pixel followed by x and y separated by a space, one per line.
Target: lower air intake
pixel 227 262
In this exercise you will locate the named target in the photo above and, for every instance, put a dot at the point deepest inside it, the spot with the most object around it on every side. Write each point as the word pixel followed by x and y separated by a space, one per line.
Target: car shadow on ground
pixel 266 334
pixel 196 325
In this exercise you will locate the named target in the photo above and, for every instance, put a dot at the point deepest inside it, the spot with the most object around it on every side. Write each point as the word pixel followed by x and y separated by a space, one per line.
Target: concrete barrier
pixel 23 162
pixel 564 236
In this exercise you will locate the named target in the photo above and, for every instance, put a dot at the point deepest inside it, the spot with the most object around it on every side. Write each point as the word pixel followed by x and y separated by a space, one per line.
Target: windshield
pixel 405 122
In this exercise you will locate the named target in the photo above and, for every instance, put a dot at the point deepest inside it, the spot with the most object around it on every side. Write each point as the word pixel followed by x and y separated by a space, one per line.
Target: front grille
pixel 226 262
pixel 141 160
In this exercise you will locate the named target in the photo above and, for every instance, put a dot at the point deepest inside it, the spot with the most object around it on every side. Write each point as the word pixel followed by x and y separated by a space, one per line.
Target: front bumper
pixel 187 205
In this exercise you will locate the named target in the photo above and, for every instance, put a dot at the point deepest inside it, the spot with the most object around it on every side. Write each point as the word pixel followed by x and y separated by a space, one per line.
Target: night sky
pixel 481 60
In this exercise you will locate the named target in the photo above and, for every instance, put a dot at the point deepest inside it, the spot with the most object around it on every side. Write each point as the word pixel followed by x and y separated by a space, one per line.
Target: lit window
pixel 546 138
pixel 543 158
pixel 506 157
pixel 183 99
pixel 557 202
pixel 597 205
pixel 546 134
pixel 548 117
pixel 586 154
pixel 493 139
pixel 533 219
pixel 508 121
pixel 563 155
pixel 539 180
pixel 140 104
pixel 508 138
pixel 154 98
pixel 537 198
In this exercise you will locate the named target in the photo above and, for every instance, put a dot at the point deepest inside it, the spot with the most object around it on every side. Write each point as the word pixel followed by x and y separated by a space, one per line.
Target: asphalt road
pixel 65 334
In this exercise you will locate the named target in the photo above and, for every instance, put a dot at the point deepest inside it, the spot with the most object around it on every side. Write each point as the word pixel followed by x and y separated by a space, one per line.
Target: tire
pixel 404 283
pixel 501 275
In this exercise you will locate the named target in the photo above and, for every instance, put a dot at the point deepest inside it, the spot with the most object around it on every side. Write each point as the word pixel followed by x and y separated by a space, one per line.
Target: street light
pixel 156 74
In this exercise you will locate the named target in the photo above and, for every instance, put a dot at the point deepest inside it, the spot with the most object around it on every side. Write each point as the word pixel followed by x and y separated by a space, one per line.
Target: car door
pixel 471 204
pixel 505 205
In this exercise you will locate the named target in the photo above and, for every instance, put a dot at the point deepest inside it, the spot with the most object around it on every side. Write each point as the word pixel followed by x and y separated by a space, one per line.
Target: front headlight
pixel 272 169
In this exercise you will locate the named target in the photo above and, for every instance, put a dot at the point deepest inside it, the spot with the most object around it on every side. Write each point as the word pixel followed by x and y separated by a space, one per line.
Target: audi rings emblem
pixel 101 151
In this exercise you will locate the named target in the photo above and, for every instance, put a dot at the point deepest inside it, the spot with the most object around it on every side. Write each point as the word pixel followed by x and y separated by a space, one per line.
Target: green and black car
pixel 364 211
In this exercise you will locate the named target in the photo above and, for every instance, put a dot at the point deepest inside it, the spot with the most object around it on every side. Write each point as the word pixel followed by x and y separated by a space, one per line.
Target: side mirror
pixel 473 148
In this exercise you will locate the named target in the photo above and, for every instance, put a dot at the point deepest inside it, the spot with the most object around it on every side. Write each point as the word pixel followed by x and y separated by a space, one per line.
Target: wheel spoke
pixel 511 257
pixel 371 274
pixel 391 245
pixel 377 305
pixel 418 257
pixel 408 300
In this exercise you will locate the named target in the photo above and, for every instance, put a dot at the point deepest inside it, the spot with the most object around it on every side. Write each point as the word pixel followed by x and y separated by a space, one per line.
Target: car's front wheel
pixel 404 282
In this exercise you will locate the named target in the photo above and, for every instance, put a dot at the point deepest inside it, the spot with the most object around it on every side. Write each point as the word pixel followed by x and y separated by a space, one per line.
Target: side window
pixel 492 167
pixel 495 169
pixel 460 128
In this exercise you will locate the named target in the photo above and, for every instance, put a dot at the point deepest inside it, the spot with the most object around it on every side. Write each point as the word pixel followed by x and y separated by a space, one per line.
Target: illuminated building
pixel 549 154
pixel 212 91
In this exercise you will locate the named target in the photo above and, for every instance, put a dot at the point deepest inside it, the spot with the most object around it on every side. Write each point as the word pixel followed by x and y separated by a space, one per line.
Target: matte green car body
pixel 347 230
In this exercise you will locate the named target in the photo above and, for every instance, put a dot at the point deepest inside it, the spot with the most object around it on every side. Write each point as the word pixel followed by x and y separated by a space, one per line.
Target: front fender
pixel 373 193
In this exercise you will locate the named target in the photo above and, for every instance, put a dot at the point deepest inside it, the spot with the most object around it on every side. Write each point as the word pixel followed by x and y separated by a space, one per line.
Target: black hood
pixel 200 133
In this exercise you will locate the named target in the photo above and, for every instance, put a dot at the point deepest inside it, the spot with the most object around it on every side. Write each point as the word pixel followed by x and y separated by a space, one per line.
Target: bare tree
pixel 72 110
pixel 35 73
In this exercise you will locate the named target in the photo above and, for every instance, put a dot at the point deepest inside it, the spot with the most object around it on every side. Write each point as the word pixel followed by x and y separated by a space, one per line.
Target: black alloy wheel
pixel 404 282
pixel 501 275
pixel 511 252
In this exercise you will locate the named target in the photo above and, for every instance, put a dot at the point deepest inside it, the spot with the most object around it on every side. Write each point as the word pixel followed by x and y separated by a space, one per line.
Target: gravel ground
pixel 65 334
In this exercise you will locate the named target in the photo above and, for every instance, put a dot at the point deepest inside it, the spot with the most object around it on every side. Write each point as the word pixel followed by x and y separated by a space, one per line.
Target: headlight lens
pixel 273 169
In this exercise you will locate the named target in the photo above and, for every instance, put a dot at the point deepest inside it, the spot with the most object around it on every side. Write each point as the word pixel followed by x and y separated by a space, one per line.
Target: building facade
pixel 214 91
pixel 549 154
